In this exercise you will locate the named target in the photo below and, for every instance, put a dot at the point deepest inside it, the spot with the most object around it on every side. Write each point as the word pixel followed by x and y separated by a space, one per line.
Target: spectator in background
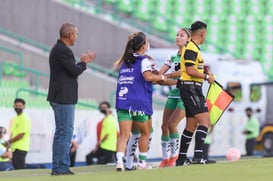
pixel 105 149
pixel 251 130
pixel 5 154
pixel 20 135
pixel 63 94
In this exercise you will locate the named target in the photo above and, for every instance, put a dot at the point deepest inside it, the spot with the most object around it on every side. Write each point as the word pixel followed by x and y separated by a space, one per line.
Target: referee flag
pixel 217 100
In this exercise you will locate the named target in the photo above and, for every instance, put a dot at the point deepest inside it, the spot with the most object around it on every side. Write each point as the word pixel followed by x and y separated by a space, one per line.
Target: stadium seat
pixel 160 23
pixel 233 25
pixel 143 10
pixel 125 6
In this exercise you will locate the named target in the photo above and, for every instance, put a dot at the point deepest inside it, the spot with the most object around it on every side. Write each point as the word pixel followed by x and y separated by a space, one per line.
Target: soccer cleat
pixel 119 167
pixel 182 162
pixel 164 163
pixel 202 161
pixel 172 161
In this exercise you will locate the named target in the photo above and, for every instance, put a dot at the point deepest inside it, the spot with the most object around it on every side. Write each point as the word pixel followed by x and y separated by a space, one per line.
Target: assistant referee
pixel 190 84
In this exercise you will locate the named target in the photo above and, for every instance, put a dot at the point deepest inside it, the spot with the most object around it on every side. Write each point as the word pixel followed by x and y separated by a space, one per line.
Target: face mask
pixel 18 110
pixel 103 111
pixel 148 47
pixel 5 138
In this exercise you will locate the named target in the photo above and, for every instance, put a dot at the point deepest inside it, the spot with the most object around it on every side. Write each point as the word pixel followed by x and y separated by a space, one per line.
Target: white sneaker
pixel 143 167
pixel 119 167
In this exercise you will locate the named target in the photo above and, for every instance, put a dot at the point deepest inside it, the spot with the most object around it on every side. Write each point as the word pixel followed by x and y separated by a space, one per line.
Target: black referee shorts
pixel 193 98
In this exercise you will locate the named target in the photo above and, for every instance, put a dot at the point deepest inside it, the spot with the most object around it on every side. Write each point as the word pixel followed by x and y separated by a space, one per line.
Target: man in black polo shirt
pixel 192 76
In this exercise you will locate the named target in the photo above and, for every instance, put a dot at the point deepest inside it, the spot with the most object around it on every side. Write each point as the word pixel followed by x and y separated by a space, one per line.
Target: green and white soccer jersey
pixel 173 61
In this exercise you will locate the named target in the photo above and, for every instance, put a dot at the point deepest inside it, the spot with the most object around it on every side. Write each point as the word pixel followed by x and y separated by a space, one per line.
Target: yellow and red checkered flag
pixel 217 100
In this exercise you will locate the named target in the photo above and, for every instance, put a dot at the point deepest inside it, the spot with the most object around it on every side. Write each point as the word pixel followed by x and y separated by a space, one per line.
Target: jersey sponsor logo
pixel 126 80
pixel 127 70
pixel 122 92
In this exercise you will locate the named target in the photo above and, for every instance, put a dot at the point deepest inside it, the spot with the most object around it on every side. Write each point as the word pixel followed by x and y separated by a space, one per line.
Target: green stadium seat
pixel 236 25
pixel 143 10
pixel 163 15
pixel 160 23
pixel 172 31
pixel 125 6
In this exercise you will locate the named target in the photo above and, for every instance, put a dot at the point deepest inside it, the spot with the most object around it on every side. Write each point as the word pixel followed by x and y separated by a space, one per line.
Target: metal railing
pixel 38 93
pixel 36 73
pixel 14 52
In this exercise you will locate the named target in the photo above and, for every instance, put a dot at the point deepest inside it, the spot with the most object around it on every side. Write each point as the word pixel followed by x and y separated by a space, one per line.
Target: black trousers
pixel 250 146
pixel 103 157
pixel 72 158
pixel 19 159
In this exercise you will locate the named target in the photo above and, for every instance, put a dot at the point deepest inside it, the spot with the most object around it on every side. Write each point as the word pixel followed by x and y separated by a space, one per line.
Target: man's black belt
pixel 190 83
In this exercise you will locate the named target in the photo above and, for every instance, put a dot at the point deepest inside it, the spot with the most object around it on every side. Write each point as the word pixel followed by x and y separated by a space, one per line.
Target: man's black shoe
pixel 202 161
pixel 69 172
pixel 182 162
pixel 211 161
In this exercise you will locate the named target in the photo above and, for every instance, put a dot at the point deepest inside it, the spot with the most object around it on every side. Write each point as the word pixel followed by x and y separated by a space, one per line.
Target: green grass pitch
pixel 247 169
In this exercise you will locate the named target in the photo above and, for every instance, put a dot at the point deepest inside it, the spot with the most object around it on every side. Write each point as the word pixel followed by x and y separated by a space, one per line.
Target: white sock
pixel 142 158
pixel 120 156
pixel 174 144
pixel 131 149
pixel 165 146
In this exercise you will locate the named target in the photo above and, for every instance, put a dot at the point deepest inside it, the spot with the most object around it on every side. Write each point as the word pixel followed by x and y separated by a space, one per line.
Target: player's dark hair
pixel 249 109
pixel 198 25
pixel 105 102
pixel 19 100
pixel 132 46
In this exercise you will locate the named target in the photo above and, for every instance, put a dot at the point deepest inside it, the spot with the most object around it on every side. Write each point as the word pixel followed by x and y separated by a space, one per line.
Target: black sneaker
pixel 211 161
pixel 202 161
pixel 69 172
pixel 182 162
pixel 130 169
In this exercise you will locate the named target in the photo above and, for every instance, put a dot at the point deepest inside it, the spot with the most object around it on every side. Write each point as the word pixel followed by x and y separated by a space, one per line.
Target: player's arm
pixel 164 69
pixel 149 76
pixel 146 69
pixel 168 82
pixel 174 74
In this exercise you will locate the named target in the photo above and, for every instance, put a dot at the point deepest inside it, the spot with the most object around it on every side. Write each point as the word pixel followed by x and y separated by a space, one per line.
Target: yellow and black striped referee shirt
pixel 191 55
